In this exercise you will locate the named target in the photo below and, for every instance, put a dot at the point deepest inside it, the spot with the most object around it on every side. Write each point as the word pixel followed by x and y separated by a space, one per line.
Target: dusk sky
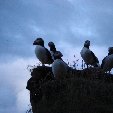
pixel 68 23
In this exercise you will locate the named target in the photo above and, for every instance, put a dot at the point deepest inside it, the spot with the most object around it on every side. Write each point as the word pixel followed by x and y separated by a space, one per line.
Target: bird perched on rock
pixel 107 62
pixel 59 67
pixel 88 56
pixel 53 50
pixel 41 52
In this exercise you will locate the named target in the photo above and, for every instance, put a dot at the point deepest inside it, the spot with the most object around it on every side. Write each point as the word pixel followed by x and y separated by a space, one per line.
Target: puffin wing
pixel 103 62
pixel 95 58
pixel 49 56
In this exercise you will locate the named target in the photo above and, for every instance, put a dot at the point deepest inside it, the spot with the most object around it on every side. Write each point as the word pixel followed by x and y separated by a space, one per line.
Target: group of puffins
pixel 59 67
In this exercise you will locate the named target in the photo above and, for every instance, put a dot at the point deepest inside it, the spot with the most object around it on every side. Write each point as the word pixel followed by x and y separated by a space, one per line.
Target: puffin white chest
pixel 59 68
pixel 86 55
pixel 108 63
pixel 41 54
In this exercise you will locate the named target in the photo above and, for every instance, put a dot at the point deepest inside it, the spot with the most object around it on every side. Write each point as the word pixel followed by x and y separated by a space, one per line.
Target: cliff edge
pixel 84 92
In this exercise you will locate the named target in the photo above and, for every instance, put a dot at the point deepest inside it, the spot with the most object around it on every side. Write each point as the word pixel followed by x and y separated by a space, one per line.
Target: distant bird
pixel 53 50
pixel 107 62
pixel 88 56
pixel 41 52
pixel 59 67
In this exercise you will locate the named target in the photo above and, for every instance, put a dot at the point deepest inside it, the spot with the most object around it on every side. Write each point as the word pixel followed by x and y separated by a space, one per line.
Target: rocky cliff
pixel 85 91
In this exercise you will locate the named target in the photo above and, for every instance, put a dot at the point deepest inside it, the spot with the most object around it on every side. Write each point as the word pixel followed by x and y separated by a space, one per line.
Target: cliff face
pixel 77 94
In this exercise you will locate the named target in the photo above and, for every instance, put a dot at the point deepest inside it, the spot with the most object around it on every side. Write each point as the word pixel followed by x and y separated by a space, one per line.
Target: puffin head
pixel 52 46
pixel 110 50
pixel 87 43
pixel 39 41
pixel 58 55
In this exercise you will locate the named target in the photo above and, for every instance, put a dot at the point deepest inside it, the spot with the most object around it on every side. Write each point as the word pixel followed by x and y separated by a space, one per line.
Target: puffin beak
pixel 48 45
pixel 35 42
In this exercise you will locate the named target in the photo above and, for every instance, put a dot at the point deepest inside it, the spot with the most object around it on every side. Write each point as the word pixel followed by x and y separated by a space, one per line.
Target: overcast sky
pixel 68 23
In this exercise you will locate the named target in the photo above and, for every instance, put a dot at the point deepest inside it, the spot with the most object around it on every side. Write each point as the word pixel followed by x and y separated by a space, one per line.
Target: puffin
pixel 53 50
pixel 59 67
pixel 42 53
pixel 107 62
pixel 88 56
